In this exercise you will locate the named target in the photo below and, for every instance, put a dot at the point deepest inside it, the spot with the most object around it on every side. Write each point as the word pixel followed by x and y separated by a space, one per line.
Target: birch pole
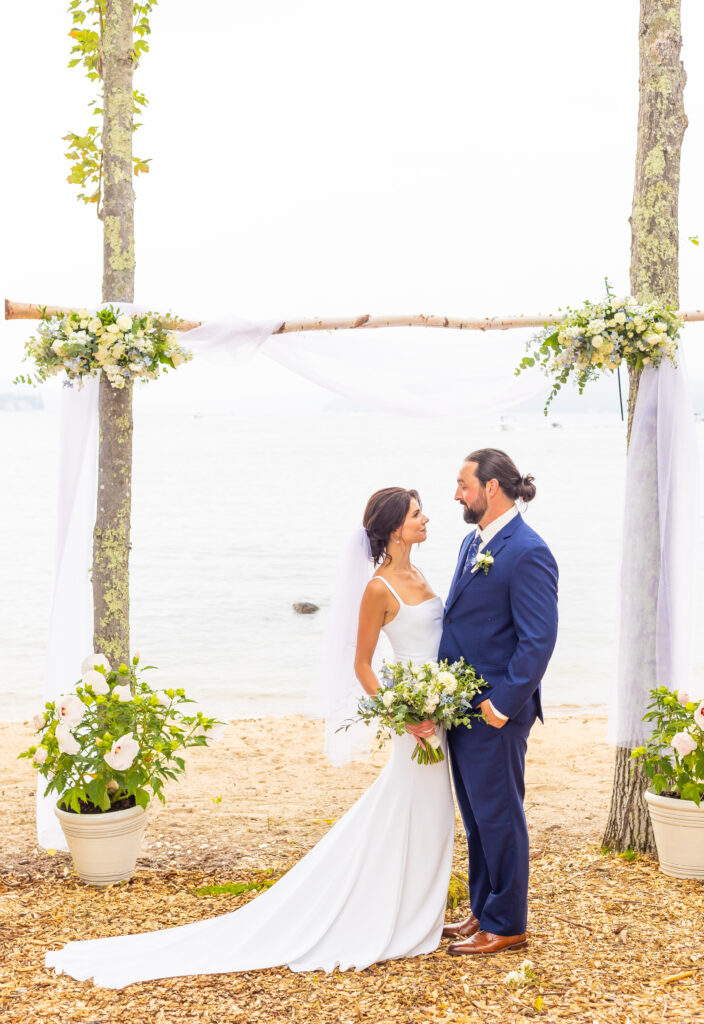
pixel 654 276
pixel 111 536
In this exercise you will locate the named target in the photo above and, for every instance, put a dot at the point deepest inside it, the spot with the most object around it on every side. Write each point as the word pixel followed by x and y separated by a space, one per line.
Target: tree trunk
pixel 111 538
pixel 654 276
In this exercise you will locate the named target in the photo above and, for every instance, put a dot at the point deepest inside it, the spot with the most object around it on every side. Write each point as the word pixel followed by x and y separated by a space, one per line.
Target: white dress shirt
pixel 487 535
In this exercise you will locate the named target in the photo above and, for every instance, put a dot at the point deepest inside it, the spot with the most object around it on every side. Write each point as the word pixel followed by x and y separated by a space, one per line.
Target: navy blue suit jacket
pixel 504 623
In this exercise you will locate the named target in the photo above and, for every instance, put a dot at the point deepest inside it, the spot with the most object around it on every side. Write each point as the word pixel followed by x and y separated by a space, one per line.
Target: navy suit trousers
pixel 487 769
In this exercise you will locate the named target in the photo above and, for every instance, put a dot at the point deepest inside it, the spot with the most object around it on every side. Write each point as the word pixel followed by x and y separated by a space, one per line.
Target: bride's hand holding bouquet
pixel 411 695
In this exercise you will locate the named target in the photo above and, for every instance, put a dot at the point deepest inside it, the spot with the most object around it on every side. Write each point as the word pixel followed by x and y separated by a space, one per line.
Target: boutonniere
pixel 485 561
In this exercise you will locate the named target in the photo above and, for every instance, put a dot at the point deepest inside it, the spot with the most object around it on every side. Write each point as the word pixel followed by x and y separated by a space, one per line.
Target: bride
pixel 374 888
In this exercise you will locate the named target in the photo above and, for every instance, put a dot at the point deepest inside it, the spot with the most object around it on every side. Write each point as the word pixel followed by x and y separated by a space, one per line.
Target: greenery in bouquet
pixel 115 741
pixel 409 694
pixel 125 347
pixel 673 756
pixel 599 337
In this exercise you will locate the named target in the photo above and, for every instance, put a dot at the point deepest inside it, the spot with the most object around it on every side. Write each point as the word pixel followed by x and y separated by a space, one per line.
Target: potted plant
pixel 673 759
pixel 106 750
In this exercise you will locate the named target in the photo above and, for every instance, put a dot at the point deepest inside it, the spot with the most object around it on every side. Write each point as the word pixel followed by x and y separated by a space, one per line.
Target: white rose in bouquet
pixel 388 698
pixel 124 322
pixel 447 682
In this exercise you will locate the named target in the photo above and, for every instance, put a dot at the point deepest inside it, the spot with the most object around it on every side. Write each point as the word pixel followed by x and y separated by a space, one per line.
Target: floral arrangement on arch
pixel 115 741
pixel 125 347
pixel 673 757
pixel 599 337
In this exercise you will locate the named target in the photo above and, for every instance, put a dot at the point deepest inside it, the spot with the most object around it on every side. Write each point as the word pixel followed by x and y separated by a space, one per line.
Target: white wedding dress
pixel 374 888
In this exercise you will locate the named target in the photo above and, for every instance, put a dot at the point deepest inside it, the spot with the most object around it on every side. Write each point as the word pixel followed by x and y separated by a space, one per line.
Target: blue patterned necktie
pixel 472 551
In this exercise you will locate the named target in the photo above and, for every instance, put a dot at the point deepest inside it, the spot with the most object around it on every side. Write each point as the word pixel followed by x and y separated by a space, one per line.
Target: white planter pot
pixel 104 846
pixel 679 835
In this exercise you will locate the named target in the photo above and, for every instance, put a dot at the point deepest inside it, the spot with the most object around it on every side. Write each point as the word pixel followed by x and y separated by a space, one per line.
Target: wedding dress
pixel 374 888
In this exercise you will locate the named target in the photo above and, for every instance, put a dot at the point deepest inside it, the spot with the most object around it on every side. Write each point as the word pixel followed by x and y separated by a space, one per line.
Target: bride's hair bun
pixel 385 512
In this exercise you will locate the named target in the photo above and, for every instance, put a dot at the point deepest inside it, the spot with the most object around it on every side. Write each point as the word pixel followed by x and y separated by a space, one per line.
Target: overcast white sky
pixel 459 157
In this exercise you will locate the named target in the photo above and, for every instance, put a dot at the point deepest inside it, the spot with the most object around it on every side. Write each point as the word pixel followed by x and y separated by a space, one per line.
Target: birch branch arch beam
pixel 29 311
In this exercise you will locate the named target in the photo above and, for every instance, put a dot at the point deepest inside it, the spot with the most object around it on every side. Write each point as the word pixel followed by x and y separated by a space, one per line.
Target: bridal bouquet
pixel 114 741
pixel 409 694
pixel 124 346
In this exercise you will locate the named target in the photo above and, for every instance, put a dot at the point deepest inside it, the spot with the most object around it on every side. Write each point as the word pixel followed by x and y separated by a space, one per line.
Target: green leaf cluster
pixel 671 773
pixel 85 151
pixel 159 722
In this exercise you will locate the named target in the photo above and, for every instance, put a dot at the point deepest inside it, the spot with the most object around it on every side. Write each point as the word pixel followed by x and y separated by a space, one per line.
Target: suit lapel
pixel 458 568
pixel 461 582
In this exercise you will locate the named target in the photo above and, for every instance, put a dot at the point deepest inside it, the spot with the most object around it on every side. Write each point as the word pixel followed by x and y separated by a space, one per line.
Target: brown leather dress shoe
pixel 461 930
pixel 487 942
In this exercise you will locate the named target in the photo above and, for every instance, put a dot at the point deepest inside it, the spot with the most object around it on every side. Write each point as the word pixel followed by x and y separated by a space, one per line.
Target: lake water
pixel 237 518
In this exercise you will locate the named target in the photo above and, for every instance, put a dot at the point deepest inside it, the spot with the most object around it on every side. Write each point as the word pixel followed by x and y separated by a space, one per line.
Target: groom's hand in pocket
pixel 490 716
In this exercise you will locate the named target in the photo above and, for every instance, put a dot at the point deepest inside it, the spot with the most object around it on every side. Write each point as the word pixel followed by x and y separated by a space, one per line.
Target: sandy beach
pixel 266 788
pixel 612 939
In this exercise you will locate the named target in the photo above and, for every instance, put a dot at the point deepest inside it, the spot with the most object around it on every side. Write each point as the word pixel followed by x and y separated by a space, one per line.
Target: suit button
pixel 448 620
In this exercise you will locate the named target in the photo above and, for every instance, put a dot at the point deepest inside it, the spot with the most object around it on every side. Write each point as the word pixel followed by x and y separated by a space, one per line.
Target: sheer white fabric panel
pixel 71 622
pixel 70 637
pixel 659 536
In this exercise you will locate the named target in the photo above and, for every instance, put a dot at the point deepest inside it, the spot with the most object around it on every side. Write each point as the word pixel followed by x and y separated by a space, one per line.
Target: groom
pixel 501 617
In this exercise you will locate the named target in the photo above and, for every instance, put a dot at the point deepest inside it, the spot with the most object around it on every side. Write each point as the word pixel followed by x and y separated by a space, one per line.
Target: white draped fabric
pixel 71 623
pixel 356 370
pixel 659 538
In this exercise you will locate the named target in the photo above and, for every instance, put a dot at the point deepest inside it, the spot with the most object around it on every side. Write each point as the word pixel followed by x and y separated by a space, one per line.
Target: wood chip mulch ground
pixel 612 942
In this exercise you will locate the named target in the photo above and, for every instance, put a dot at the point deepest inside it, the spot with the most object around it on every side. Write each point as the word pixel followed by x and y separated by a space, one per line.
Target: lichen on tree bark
pixel 654 276
pixel 111 538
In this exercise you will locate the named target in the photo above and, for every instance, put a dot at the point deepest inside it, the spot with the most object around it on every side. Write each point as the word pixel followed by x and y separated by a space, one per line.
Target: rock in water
pixel 305 607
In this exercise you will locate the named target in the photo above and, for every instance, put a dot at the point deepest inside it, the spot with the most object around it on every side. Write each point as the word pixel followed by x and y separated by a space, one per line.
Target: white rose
pixel 70 710
pixel 94 325
pixel 113 329
pixel 40 755
pixel 68 744
pixel 38 722
pixel 597 341
pixel 620 318
pixel 683 743
pixel 93 661
pixel 123 693
pixel 124 322
pixel 97 681
pixel 122 753
pixel 430 705
pixel 387 698
pixel 176 358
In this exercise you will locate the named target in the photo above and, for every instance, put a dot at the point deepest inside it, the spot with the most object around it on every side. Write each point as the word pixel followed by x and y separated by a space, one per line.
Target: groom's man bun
pixel 493 464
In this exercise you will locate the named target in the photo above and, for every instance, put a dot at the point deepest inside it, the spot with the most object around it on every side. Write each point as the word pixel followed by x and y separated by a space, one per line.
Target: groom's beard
pixel 473 514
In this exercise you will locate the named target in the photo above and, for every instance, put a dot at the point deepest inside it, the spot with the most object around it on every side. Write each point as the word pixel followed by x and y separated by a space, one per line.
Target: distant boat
pixel 556 424
pixel 20 403
pixel 508 422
